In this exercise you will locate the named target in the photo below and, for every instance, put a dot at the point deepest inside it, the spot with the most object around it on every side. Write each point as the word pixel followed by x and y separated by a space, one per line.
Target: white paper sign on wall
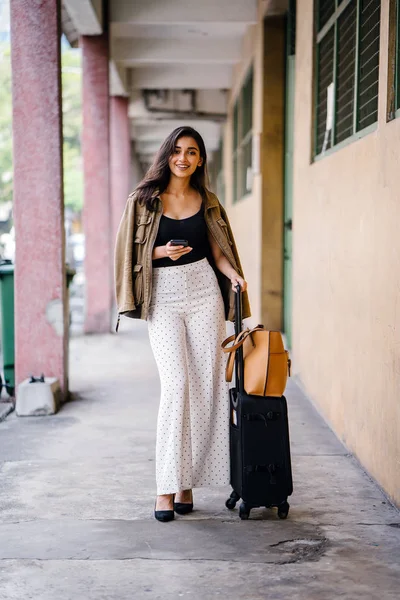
pixel 249 179
pixel 256 166
pixel 330 107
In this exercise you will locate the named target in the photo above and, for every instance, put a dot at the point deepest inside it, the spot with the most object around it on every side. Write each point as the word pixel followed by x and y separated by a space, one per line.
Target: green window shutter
pixel 325 76
pixel 219 169
pixel 247 126
pixel 246 165
pixel 326 9
pixel 291 28
pixel 235 149
pixel 370 20
pixel 242 138
pixel 347 55
pixel 236 125
pixel 235 179
pixel 345 74
pixel 247 105
pixel 397 57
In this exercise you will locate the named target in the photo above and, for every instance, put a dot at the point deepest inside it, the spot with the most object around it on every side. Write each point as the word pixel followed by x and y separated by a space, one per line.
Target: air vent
pixel 370 21
pixel 345 76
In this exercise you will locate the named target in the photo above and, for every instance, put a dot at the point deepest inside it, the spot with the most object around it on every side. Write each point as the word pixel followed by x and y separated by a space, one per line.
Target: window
pixel 242 140
pixel 347 69
pixel 393 108
pixel 398 55
pixel 217 172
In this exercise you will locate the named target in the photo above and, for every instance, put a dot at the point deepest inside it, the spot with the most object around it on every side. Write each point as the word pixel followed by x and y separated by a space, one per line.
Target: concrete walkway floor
pixel 77 496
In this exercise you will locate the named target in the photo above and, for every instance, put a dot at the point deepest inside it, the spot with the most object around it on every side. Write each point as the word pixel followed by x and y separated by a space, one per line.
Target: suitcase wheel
pixel 244 511
pixel 231 502
pixel 283 510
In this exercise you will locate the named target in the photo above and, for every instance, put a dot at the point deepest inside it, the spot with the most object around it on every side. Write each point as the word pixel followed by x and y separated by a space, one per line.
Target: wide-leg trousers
pixel 186 328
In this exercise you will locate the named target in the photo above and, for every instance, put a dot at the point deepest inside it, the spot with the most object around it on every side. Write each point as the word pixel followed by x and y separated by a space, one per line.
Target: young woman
pixel 176 265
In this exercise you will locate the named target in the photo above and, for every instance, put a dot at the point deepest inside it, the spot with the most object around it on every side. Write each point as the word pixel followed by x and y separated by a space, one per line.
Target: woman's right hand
pixel 175 252
pixel 172 252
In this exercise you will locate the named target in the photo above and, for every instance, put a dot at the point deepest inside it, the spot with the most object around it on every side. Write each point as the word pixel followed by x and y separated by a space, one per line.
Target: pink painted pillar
pixel 97 211
pixel 120 148
pixel 41 324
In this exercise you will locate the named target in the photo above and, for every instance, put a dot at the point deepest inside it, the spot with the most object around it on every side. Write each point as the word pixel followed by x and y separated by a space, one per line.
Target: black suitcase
pixel 261 473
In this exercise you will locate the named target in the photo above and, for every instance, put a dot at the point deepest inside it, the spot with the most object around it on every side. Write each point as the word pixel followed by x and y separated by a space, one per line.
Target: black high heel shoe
pixel 183 508
pixel 164 515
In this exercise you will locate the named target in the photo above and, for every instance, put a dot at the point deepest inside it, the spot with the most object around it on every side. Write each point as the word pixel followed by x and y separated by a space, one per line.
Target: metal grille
pixel 247 105
pixel 291 28
pixel 370 20
pixel 218 171
pixel 235 125
pixel 345 65
pixel 397 59
pixel 235 150
pixel 325 77
pixel 348 56
pixel 246 183
pixel 242 136
pixel 326 8
pixel 235 179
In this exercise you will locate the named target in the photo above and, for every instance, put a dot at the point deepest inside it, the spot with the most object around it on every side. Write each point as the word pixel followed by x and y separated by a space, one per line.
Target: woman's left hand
pixel 236 279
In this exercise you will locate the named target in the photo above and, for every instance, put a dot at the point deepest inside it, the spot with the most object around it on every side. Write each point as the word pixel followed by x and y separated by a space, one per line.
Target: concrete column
pixel 41 330
pixel 97 211
pixel 120 148
pixel 272 161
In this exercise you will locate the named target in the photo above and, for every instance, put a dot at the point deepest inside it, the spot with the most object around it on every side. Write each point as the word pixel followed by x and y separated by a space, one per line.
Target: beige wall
pixel 346 274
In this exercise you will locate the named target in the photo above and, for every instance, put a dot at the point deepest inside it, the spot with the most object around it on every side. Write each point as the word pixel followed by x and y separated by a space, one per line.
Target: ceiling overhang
pixel 86 15
pixel 174 59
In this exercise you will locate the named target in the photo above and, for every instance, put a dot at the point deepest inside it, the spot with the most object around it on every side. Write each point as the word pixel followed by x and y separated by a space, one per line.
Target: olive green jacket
pixel 133 256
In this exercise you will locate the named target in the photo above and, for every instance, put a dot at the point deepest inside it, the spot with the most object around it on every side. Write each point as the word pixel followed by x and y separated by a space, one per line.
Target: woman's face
pixel 186 158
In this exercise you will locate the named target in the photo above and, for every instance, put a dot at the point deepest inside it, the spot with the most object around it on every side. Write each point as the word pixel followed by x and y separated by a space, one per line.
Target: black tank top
pixel 193 229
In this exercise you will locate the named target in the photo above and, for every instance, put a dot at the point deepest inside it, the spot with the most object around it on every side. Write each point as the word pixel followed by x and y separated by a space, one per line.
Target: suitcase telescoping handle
pixel 239 363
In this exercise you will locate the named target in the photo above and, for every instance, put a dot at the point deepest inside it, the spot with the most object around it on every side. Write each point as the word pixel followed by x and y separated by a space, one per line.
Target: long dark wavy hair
pixel 156 180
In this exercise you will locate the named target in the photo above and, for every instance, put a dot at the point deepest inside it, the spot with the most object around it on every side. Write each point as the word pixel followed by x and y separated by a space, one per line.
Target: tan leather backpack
pixel 266 362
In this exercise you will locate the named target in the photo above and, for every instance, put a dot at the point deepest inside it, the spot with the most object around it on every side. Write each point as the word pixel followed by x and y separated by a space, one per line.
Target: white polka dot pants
pixel 186 328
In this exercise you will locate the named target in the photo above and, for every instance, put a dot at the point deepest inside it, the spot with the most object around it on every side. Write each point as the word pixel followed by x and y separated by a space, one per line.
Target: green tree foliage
pixel 72 126
pixel 6 169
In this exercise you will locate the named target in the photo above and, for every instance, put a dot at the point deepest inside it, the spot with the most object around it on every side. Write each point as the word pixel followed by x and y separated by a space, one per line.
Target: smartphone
pixel 184 243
